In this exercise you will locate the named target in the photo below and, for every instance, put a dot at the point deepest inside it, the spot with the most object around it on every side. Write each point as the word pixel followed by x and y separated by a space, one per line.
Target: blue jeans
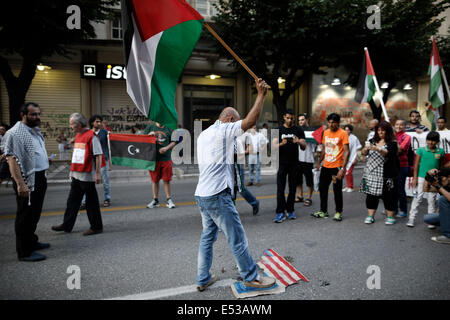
pixel 219 212
pixel 442 219
pixel 105 179
pixel 245 193
pixel 402 200
pixel 255 171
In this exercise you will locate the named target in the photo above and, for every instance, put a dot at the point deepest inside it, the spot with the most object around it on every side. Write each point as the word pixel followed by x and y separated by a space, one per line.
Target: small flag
pixel 366 83
pixel 318 134
pixel 133 150
pixel 277 267
pixel 432 116
pixel 434 71
pixel 159 37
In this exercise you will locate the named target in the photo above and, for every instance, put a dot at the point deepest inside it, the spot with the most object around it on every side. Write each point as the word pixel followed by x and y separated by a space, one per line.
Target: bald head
pixel 229 114
pixel 373 123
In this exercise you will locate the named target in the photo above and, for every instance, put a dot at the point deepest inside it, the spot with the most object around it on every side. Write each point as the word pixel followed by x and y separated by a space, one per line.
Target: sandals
pixel 298 199
pixel 308 202
pixel 106 203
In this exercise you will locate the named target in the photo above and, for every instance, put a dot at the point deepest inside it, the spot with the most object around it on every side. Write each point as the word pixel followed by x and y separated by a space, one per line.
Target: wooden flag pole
pixel 230 51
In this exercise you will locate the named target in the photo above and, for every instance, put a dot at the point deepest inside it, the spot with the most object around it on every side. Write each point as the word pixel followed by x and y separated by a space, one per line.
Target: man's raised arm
pixel 253 116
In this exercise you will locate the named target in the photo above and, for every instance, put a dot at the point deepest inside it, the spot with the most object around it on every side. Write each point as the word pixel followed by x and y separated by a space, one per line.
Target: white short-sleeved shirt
pixel 215 155
pixel 353 145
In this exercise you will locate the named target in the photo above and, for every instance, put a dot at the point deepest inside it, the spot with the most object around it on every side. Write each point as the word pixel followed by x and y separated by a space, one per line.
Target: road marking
pixel 164 293
pixel 187 203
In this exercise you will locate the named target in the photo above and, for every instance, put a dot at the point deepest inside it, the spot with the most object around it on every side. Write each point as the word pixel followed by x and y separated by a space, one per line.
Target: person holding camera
pixel 427 158
pixel 379 180
pixel 291 137
pixel 439 181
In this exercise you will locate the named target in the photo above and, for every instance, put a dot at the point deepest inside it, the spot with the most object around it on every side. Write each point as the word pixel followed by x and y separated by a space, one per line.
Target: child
pixel 427 158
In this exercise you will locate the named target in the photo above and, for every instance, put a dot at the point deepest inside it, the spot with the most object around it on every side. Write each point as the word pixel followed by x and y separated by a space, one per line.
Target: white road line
pixel 164 293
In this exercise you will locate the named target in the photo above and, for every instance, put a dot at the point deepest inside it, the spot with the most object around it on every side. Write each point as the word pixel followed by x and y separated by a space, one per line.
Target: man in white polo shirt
pixel 214 194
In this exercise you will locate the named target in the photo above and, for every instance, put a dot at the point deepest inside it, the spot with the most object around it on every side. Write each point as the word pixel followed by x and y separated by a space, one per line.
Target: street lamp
pixel 213 76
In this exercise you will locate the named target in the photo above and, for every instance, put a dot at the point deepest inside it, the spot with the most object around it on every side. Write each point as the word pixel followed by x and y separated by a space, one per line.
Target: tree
pixel 294 39
pixel 37 29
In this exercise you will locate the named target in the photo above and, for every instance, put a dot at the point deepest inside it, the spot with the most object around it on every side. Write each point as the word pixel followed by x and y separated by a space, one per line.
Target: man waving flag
pixel 159 37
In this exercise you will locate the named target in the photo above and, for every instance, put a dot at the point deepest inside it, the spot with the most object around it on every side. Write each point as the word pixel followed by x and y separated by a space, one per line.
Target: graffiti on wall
pixel 121 119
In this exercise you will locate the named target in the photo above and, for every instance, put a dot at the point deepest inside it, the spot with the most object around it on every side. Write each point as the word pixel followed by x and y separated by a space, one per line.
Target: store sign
pixel 103 71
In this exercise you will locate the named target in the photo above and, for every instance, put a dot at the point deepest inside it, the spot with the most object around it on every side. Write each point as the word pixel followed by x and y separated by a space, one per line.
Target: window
pixel 206 7
pixel 116 28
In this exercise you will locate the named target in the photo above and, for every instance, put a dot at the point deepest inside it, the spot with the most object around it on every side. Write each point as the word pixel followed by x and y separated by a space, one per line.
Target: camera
pixel 432 178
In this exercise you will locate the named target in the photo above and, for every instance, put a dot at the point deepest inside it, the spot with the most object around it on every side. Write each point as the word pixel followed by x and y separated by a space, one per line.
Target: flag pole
pixel 386 117
pixel 230 51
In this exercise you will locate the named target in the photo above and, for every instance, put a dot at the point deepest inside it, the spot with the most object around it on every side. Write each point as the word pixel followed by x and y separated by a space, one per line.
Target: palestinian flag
pixel 366 83
pixel 159 37
pixel 434 71
pixel 133 150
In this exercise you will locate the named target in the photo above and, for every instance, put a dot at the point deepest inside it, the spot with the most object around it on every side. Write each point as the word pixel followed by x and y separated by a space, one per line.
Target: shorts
pixel 163 170
pixel 305 168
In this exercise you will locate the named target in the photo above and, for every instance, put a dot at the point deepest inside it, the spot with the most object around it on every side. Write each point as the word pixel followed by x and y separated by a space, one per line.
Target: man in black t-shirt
pixel 291 137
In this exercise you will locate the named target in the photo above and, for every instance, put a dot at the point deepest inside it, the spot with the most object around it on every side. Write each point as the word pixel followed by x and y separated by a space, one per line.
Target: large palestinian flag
pixel 366 83
pixel 434 71
pixel 133 150
pixel 159 37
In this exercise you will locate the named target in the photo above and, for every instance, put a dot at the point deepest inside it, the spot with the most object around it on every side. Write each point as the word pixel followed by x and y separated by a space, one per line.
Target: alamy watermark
pixel 374 281
pixel 374 21
pixel 74 280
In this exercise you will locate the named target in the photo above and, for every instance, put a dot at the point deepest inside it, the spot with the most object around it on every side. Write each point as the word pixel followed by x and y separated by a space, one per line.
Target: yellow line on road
pixel 187 203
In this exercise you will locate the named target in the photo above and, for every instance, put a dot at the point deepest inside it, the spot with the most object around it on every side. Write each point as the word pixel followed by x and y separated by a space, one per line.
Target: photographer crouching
pixel 439 181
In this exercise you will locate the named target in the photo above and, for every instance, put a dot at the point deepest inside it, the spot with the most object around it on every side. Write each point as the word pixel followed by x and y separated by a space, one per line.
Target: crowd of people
pixel 388 159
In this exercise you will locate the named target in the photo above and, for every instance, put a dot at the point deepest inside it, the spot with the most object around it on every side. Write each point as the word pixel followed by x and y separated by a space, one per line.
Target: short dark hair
pixel 303 115
pixel 349 126
pixel 433 136
pixel 24 107
pixel 442 118
pixel 93 118
pixel 288 111
pixel 335 117
pixel 414 111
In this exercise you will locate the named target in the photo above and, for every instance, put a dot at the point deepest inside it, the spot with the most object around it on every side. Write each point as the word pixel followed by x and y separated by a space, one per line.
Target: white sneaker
pixel 153 204
pixel 410 223
pixel 344 190
pixel 170 204
pixel 350 190
pixel 430 226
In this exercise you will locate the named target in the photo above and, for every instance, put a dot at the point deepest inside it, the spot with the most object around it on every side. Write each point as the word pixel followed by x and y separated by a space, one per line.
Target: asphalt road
pixel 152 253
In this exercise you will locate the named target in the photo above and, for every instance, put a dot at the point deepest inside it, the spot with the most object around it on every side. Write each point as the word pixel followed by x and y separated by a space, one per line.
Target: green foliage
pixel 295 38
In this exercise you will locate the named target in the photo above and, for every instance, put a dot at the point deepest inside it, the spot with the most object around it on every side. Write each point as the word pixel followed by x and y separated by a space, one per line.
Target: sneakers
pixel 202 288
pixel 430 226
pixel 410 223
pixel 401 214
pixel 441 239
pixel 320 214
pixel 170 204
pixel 344 189
pixel 369 220
pixel 263 282
pixel 389 221
pixel 279 218
pixel 291 215
pixel 34 257
pixel 153 204
pixel 350 190
pixel 337 216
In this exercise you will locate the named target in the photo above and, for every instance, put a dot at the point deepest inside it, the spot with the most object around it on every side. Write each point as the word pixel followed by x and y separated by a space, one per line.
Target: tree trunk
pixel 17 87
